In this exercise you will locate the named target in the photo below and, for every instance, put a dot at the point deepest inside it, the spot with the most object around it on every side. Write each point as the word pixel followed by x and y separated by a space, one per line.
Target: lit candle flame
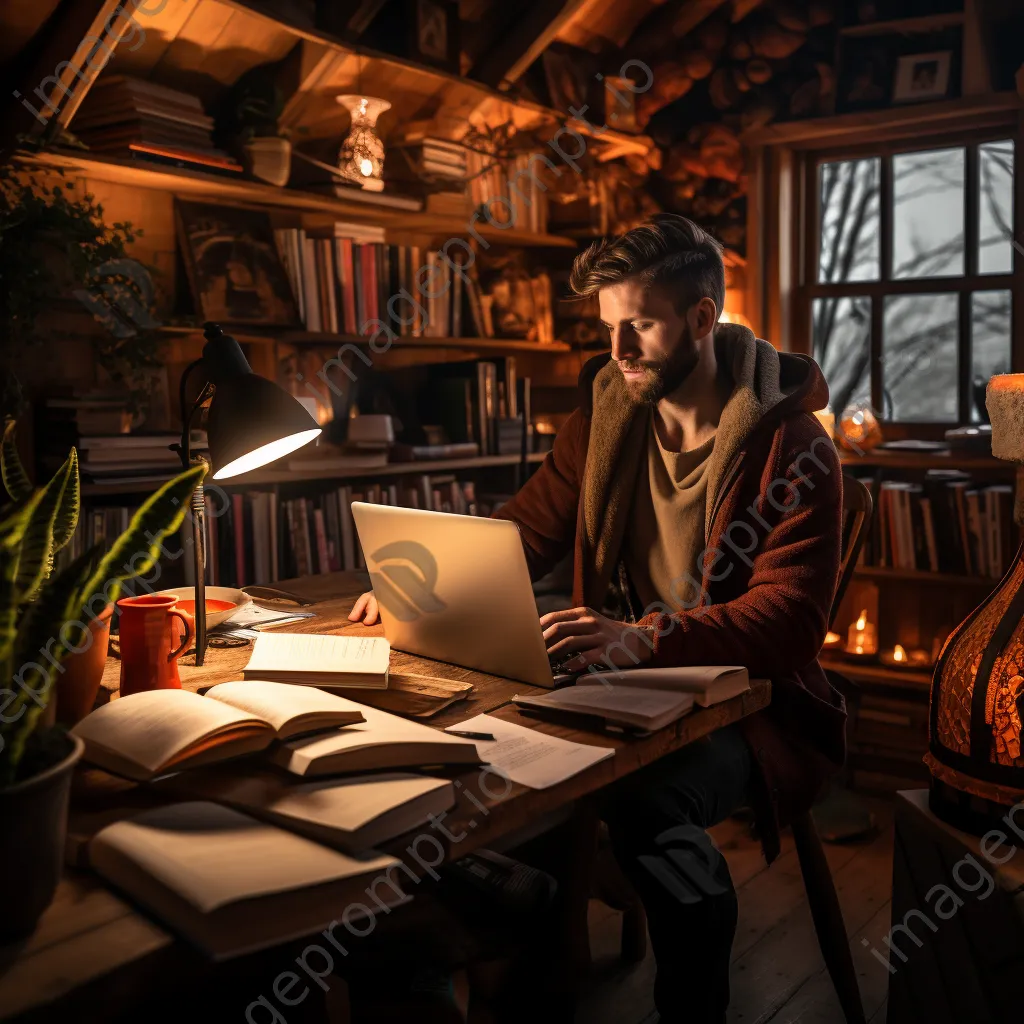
pixel 898 653
pixel 862 619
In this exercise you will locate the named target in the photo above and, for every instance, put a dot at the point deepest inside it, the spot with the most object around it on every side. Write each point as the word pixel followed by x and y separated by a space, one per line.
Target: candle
pixel 827 418
pixel 832 639
pixel 861 637
pixel 900 657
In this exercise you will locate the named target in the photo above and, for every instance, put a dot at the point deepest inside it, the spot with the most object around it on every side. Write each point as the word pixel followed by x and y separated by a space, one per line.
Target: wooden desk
pixel 89 940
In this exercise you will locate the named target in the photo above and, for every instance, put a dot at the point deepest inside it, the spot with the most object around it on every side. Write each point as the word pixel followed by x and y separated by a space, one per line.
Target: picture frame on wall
pixel 434 33
pixel 922 76
pixel 233 267
pixel 865 74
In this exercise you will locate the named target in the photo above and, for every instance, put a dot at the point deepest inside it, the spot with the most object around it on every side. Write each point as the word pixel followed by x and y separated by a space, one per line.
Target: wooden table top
pixel 88 933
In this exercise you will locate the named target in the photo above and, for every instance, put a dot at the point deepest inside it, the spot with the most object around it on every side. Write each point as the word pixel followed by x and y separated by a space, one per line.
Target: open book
pixel 709 684
pixel 320 659
pixel 350 813
pixel 613 706
pixel 229 883
pixel 381 741
pixel 148 734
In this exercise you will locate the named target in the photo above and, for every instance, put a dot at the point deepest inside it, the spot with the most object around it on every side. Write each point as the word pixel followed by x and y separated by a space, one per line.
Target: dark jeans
pixel 656 818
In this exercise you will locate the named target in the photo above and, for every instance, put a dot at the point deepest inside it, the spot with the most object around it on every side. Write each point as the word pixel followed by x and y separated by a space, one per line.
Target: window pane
pixel 990 344
pixel 919 358
pixel 995 207
pixel 928 214
pixel 848 199
pixel 842 347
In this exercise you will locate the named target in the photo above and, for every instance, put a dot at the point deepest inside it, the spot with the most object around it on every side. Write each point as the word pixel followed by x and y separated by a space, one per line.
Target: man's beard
pixel 661 378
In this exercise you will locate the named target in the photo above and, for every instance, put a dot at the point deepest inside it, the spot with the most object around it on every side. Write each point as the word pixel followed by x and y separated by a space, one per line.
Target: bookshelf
pixel 915 605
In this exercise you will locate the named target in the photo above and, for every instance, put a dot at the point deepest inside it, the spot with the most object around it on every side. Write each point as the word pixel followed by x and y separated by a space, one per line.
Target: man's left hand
pixel 595 639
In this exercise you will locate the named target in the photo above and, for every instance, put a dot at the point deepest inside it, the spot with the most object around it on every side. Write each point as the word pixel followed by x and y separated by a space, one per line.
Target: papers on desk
pixel 246 623
pixel 530 757
pixel 320 659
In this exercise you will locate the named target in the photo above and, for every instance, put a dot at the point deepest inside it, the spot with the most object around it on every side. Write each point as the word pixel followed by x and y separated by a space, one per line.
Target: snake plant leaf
pixel 66 521
pixel 137 549
pixel 16 480
pixel 49 626
pixel 12 529
pixel 35 561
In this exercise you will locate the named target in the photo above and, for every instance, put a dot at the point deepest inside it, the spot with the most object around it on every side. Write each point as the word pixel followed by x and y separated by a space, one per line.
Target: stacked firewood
pixel 721 67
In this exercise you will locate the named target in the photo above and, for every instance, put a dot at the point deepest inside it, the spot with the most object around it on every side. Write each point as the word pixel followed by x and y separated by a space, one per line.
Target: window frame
pixel 961 285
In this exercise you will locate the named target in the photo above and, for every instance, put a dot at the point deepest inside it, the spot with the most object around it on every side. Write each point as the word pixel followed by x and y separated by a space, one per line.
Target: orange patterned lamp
pixel 977 696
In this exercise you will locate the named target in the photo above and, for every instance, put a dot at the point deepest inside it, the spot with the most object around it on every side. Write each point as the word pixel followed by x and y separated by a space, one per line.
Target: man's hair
pixel 667 250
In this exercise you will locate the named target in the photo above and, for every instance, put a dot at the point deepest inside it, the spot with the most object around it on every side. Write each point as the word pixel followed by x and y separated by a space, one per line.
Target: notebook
pixel 613 706
pixel 709 684
pixel 147 734
pixel 320 659
pixel 231 884
pixel 381 741
pixel 351 813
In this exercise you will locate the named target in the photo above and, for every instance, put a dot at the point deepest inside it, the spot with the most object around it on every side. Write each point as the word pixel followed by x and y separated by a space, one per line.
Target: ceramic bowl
pixel 216 595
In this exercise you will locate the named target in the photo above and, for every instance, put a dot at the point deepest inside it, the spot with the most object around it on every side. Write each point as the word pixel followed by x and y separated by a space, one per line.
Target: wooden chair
pixel 821 891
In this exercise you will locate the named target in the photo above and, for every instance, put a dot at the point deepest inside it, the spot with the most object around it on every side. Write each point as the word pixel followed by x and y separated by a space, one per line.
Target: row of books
pixel 259 539
pixel 348 280
pixel 510 190
pixel 949 523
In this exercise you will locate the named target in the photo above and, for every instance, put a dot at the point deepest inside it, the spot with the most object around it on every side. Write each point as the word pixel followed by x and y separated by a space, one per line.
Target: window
pixel 909 289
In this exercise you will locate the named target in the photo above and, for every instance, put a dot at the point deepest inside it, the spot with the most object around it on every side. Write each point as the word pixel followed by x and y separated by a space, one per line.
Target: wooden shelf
pixel 256 335
pixel 871 672
pixel 272 477
pixel 945 579
pixel 885 459
pixel 200 185
pixel 818 132
pixel 924 23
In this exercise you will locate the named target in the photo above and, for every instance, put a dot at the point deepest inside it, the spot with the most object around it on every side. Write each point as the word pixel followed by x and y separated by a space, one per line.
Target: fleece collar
pixel 767 386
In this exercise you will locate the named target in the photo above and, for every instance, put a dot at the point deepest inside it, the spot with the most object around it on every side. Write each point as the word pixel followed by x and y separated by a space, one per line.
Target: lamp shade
pixel 1004 399
pixel 253 421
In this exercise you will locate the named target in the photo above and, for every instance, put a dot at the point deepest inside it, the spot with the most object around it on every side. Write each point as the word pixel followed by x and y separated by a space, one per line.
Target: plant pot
pixel 269 159
pixel 34 813
pixel 79 683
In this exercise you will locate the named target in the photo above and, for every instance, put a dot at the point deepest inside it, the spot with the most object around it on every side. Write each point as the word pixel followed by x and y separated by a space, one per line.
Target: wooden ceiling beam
pixel 669 23
pixel 517 50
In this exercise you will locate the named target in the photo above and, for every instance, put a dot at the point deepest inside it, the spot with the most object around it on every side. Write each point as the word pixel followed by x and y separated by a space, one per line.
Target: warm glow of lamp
pixel 898 653
pixel 734 318
pixel 251 422
pixel 977 698
pixel 361 159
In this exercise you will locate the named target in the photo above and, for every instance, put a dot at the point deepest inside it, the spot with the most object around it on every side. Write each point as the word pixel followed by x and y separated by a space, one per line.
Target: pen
pixel 469 735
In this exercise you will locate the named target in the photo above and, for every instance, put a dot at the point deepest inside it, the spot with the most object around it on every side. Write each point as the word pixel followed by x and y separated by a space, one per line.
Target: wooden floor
pixel 777 971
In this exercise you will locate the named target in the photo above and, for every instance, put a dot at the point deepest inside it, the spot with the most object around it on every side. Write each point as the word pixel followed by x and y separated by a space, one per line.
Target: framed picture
pixel 922 76
pixel 865 73
pixel 435 35
pixel 233 266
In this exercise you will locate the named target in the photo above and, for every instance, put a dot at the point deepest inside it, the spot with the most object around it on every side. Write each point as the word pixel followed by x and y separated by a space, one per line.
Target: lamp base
pixel 973 813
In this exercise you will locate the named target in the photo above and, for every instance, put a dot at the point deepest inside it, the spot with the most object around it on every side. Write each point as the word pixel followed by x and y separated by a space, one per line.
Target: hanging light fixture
pixel 361 159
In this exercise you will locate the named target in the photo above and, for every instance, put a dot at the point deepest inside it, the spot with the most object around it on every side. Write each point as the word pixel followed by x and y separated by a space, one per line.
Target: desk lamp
pixel 251 421
pixel 977 696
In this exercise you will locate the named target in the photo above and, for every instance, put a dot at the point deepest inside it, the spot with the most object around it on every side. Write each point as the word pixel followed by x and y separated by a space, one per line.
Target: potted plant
pixel 55 244
pixel 43 616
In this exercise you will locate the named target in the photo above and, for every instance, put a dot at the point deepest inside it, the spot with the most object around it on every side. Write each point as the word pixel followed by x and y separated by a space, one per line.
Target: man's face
pixel 651 341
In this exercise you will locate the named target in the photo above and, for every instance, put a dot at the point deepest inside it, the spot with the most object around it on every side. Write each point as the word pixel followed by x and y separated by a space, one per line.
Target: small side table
pixel 956 943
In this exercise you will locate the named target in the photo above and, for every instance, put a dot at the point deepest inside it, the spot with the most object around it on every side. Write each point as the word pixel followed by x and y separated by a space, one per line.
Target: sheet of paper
pixel 530 757
pixel 249 619
pixel 318 652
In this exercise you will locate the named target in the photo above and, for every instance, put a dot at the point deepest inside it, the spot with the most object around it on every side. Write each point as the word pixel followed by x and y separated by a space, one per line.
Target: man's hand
pixel 595 639
pixel 366 609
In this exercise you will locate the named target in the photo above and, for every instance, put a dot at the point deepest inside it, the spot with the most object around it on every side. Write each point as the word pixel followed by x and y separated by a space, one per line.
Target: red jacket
pixel 772 563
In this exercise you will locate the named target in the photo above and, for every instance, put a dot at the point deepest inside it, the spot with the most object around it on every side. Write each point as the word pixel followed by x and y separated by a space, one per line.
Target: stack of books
pixel 126 116
pixel 348 280
pixel 949 523
pixel 437 158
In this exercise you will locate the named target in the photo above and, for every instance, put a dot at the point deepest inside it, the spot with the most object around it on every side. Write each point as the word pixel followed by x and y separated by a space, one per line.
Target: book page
pixel 212 856
pixel 280 703
pixel 148 729
pixel 530 757
pixel 685 678
pixel 601 699
pixel 318 652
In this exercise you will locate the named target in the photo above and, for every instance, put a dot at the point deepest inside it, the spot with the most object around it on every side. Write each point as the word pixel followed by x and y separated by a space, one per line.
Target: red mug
pixel 149 659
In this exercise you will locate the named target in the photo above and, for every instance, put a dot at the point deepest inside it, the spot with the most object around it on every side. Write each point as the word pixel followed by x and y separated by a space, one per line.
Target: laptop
pixel 454 588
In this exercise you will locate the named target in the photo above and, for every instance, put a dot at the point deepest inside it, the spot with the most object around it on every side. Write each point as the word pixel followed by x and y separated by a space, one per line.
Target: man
pixel 695 478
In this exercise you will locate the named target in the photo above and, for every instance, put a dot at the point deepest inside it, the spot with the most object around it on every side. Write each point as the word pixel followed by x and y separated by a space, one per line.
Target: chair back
pixel 857 509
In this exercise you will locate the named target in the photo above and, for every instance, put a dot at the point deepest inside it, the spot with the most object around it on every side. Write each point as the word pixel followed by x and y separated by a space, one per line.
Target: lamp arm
pixel 185 450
